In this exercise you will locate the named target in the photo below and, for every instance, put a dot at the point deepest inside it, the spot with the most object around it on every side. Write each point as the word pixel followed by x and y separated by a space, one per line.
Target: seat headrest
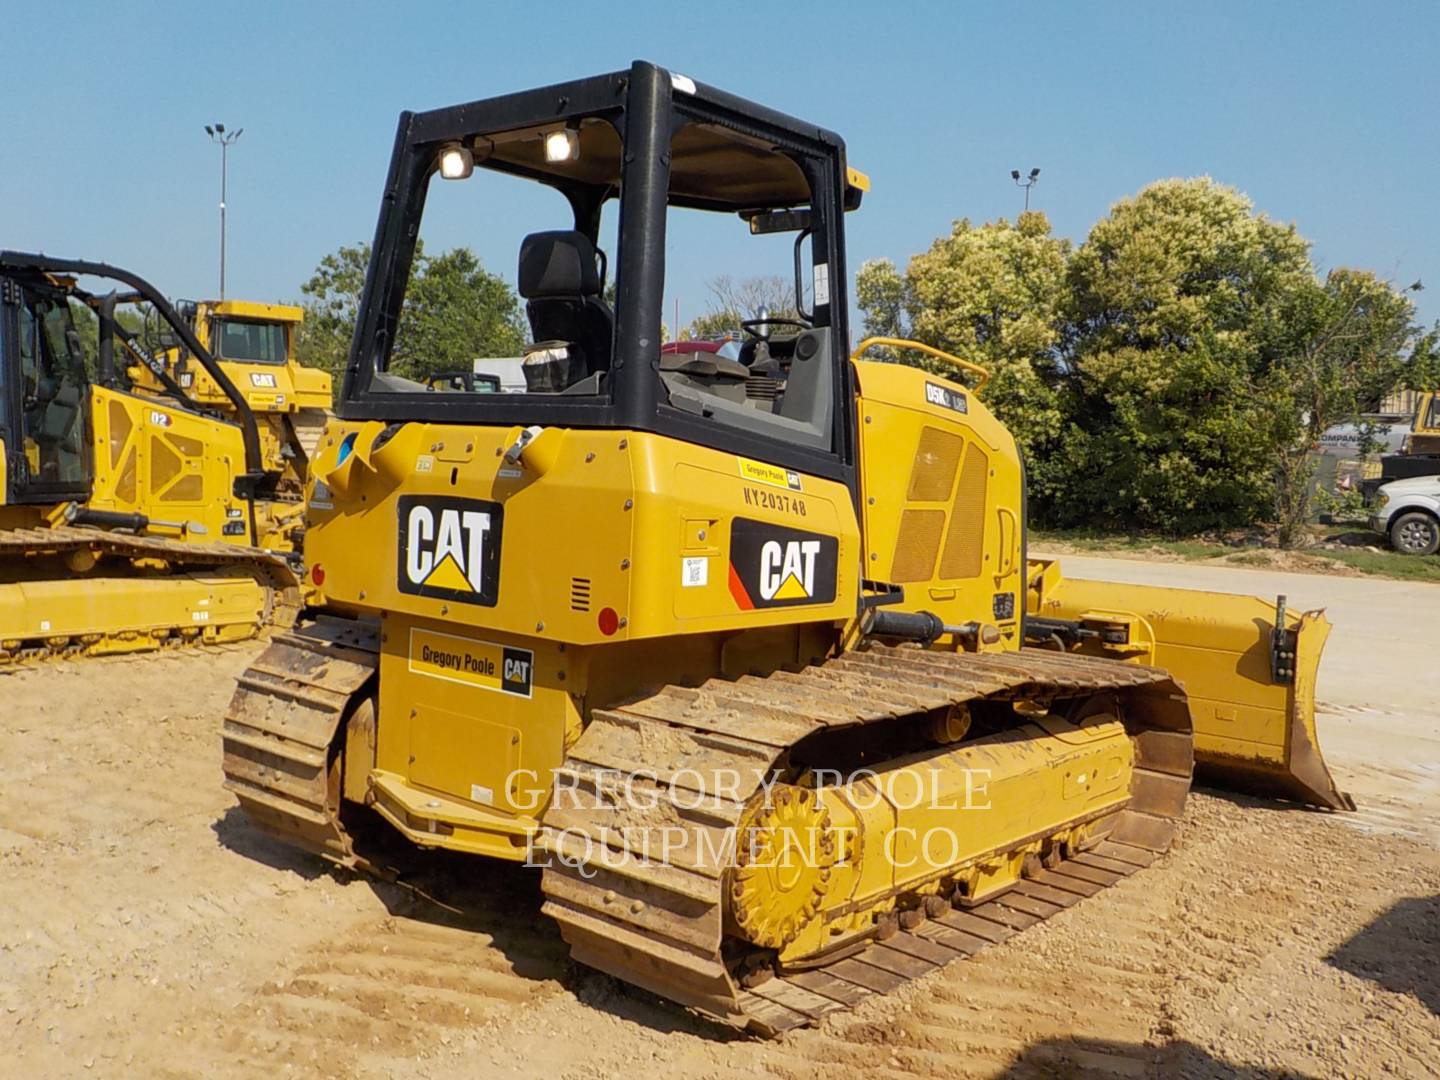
pixel 558 264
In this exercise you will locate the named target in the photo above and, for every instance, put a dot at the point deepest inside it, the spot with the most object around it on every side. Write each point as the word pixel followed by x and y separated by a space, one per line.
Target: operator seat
pixel 561 286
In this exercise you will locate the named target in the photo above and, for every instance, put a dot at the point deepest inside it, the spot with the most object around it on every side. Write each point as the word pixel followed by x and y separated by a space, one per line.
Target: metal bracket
pixel 881 594
pixel 1283 644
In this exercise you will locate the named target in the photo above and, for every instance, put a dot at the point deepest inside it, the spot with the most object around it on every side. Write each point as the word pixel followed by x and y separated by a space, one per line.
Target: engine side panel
pixel 943 498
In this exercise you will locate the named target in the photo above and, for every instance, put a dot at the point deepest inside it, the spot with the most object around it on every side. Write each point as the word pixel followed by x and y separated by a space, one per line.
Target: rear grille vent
pixel 579 594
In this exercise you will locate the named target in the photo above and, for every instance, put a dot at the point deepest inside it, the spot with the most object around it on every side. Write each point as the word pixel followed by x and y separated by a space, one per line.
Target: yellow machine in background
pixel 1424 437
pixel 735 649
pixel 128 520
pixel 255 346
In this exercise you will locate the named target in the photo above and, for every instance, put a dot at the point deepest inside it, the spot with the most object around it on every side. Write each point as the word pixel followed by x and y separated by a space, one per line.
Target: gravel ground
pixel 152 932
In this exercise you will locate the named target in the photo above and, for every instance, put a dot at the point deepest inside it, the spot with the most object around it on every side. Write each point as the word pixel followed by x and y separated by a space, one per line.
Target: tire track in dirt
pixel 150 931
pixel 424 983
pixel 1188 966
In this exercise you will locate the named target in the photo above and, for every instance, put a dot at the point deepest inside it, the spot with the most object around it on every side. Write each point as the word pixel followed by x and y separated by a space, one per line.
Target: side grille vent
pixel 579 594
pixel 965 544
pixel 917 545
pixel 933 473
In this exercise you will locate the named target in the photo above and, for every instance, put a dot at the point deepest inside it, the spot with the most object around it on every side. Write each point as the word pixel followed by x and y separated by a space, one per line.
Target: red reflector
pixel 317 574
pixel 609 621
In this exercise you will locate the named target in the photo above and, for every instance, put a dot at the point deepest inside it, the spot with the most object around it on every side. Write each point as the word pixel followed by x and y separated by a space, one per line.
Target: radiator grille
pixel 965 543
pixel 933 472
pixel 917 545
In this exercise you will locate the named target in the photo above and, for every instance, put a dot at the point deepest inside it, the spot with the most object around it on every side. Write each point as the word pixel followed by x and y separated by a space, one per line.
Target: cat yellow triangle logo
pixel 792 588
pixel 448 575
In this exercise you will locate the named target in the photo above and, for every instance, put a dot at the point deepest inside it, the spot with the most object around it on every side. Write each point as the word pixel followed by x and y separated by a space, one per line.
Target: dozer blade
pixel 1247 665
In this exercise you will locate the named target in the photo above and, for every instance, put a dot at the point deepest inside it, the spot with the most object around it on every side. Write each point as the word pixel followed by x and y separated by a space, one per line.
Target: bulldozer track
pixel 279 738
pixel 660 924
pixel 271 569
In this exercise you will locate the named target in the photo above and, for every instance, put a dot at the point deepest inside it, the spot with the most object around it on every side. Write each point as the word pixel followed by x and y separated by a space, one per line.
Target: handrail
pixel 903 343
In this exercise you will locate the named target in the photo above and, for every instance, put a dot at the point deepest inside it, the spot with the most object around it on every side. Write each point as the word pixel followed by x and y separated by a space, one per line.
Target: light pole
pixel 218 134
pixel 1029 182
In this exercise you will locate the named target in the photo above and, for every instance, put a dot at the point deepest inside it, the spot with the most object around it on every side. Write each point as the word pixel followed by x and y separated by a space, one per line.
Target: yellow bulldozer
pixel 130 519
pixel 745 654
pixel 254 344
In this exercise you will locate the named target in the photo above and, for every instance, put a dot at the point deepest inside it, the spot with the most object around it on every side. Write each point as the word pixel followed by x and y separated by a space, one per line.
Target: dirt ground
pixel 149 931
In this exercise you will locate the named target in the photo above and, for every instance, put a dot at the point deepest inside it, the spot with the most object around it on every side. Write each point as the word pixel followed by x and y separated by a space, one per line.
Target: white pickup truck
pixel 1408 512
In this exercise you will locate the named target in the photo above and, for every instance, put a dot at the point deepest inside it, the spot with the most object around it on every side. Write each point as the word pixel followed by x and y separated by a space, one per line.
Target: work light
pixel 456 163
pixel 562 145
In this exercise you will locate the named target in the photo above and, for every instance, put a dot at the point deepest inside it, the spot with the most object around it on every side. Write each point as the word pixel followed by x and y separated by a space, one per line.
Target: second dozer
pixel 735 649
pixel 132 516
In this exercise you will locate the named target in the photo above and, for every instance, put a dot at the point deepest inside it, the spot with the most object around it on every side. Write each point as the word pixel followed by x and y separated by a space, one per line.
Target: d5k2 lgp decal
pixel 449 548
pixel 772 566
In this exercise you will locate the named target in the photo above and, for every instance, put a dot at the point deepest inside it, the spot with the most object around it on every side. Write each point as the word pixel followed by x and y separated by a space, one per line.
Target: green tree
pixel 881 295
pixel 1343 344
pixel 455 310
pixel 992 294
pixel 1172 299
pixel 332 305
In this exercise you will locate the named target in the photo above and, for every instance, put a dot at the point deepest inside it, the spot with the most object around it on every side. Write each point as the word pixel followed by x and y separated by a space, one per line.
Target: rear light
pixel 317 575
pixel 608 620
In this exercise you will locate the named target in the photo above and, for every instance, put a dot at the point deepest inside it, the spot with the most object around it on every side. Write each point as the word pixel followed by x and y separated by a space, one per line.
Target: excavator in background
pixel 129 520
pixel 254 344
pixel 744 652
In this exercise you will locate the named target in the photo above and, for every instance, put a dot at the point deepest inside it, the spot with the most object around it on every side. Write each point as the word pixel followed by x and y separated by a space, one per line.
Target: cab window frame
pixel 217 338
pixel 825 246
pixel 645 107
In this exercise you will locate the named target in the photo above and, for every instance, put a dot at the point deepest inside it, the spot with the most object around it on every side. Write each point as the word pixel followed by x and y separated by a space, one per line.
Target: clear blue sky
pixel 1326 114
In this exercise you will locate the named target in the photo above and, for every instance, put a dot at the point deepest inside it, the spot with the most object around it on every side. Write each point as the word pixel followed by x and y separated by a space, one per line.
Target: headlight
pixel 1381 502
